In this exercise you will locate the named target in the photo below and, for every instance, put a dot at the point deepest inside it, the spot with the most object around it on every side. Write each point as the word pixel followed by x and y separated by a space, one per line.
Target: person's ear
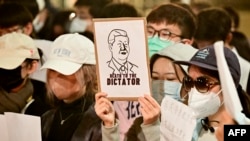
pixel 33 67
pixel 110 46
pixel 28 29
pixel 187 41
pixel 229 38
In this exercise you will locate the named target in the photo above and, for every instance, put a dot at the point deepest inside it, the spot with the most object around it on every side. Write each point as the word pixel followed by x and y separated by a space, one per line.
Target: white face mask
pixel 161 88
pixel 204 104
pixel 78 25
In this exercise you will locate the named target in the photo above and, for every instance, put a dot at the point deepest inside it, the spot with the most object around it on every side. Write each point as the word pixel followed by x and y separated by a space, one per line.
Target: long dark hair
pixel 245 101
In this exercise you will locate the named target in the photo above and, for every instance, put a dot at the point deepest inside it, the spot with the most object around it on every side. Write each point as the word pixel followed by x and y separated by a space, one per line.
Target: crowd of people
pixel 48 69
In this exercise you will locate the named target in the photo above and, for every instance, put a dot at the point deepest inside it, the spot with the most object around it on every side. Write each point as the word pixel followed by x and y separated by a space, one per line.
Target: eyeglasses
pixel 202 83
pixel 163 34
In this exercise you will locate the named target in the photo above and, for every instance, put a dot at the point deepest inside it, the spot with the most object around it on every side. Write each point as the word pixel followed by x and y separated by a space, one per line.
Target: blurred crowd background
pixel 144 6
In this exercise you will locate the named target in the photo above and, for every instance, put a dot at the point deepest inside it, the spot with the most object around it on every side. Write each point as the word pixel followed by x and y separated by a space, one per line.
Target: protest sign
pixel 122 57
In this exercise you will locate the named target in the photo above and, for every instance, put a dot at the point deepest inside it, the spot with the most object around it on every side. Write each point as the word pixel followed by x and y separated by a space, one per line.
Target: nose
pixel 156 34
pixel 123 47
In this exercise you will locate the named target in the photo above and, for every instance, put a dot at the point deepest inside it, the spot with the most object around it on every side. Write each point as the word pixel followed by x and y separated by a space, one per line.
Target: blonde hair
pixel 86 77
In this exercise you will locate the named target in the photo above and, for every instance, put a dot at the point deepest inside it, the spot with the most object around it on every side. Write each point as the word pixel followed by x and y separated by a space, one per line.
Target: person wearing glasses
pixel 168 24
pixel 205 95
pixel 164 74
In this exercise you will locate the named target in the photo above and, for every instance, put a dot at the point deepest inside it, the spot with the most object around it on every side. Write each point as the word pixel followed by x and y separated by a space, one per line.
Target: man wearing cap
pixel 19 58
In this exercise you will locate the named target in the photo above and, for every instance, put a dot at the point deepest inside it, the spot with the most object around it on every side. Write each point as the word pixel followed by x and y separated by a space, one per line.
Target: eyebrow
pixel 210 78
pixel 160 29
pixel 169 73
pixel 122 41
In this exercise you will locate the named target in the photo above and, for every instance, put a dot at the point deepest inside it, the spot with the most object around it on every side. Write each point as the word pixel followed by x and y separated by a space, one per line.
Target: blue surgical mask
pixel 161 88
pixel 155 44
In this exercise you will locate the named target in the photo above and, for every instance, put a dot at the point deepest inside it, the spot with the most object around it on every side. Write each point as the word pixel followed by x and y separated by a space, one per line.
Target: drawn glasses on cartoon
pixel 163 34
pixel 202 84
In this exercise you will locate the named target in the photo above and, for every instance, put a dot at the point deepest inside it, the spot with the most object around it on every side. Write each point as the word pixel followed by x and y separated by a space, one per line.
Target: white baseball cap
pixel 179 51
pixel 15 48
pixel 69 52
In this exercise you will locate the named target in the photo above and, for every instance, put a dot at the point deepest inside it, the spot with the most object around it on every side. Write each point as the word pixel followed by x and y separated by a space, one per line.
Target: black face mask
pixel 10 79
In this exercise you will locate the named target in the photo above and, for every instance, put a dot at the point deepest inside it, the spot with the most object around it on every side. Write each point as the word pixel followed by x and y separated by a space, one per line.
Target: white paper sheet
pixel 22 127
pixel 231 98
pixel 3 129
pixel 178 121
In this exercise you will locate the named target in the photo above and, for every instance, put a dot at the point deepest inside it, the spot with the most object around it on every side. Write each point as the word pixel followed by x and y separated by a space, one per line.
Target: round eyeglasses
pixel 163 34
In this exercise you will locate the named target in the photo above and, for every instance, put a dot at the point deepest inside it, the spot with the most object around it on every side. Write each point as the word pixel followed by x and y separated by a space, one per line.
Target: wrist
pixel 109 123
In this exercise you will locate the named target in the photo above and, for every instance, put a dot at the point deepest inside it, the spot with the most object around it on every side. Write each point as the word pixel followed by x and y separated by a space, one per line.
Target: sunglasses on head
pixel 202 83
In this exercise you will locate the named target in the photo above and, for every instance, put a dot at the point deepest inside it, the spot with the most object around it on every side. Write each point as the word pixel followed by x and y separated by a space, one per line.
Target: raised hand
pixel 104 109
pixel 150 109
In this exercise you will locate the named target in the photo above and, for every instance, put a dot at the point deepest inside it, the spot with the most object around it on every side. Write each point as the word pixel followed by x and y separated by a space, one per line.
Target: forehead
pixel 163 65
pixel 83 12
pixel 196 72
pixel 121 38
pixel 84 9
pixel 171 27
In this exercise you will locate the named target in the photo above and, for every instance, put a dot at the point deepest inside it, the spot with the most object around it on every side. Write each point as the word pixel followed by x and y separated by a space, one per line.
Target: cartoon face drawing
pixel 120 48
pixel 118 41
pixel 119 45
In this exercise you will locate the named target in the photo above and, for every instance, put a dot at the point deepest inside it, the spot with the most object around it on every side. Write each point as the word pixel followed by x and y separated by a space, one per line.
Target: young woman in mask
pixel 168 24
pixel 166 80
pixel 86 10
pixel 166 76
pixel 71 83
pixel 205 95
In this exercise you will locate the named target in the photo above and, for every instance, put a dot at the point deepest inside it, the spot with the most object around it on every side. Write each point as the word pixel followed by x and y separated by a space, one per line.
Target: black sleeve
pixel 135 133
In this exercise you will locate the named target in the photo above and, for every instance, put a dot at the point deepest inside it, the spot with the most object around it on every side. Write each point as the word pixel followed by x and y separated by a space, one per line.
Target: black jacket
pixel 89 128
pixel 135 131
pixel 39 105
